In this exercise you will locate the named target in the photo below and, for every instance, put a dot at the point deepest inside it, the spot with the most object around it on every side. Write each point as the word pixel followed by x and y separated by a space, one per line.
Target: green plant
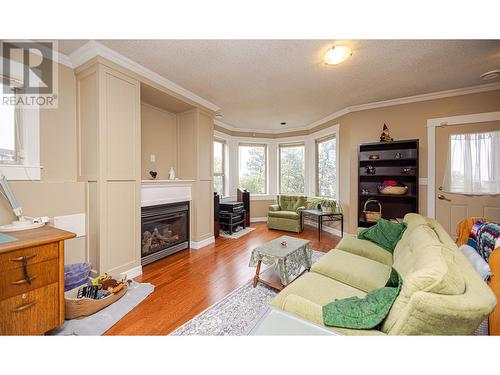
pixel 324 202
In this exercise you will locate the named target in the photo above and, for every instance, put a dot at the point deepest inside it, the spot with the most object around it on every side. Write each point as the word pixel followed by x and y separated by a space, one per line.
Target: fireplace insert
pixel 165 230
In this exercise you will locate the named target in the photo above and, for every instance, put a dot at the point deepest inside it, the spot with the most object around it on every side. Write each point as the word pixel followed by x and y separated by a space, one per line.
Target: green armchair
pixel 287 214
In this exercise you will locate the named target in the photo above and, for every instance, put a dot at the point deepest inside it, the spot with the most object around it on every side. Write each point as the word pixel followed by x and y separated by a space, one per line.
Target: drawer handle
pixel 24 307
pixel 25 281
pixel 21 259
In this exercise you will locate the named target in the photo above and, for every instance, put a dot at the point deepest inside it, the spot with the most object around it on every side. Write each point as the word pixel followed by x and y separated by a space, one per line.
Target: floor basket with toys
pixel 97 294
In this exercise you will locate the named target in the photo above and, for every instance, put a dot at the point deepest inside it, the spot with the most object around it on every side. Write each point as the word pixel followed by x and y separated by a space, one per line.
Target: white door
pixel 467 165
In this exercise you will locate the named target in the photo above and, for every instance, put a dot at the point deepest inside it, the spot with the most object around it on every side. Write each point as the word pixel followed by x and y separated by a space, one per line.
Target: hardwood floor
pixel 190 281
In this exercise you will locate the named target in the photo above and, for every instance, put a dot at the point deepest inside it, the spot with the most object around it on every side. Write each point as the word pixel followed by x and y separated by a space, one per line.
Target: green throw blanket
pixel 364 313
pixel 384 234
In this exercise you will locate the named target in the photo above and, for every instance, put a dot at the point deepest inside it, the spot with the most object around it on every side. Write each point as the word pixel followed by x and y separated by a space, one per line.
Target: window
pixel 252 167
pixel 292 169
pixel 219 167
pixel 326 167
pixel 473 163
pixel 7 133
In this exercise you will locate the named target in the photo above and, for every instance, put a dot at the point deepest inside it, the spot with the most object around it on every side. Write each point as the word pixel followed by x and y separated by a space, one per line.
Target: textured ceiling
pixel 260 83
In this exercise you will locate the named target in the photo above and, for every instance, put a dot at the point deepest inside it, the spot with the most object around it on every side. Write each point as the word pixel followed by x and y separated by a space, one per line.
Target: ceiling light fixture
pixel 337 54
pixel 492 74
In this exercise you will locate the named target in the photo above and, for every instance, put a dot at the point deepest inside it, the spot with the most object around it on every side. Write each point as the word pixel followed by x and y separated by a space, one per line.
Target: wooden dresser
pixel 32 281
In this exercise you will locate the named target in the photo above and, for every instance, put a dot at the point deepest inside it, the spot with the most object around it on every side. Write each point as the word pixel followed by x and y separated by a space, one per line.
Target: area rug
pixel 101 321
pixel 236 235
pixel 235 313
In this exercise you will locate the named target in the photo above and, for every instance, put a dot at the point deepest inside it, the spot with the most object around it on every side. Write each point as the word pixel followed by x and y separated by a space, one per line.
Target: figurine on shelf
pixel 153 174
pixel 385 136
pixel 171 174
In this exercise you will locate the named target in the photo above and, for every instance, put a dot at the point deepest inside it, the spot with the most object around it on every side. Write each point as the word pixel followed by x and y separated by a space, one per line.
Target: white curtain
pixel 473 165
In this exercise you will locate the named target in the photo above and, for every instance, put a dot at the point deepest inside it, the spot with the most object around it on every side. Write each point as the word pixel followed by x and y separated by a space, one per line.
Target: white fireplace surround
pixel 155 192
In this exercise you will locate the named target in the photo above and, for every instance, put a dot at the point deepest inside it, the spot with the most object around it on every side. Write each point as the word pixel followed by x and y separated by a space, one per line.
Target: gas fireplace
pixel 165 230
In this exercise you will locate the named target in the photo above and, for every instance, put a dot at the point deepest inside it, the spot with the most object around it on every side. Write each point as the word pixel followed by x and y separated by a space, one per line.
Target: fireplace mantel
pixel 154 192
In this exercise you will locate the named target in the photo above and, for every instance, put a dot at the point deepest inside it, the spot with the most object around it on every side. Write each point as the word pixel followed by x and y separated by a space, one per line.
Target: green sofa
pixel 286 215
pixel 441 295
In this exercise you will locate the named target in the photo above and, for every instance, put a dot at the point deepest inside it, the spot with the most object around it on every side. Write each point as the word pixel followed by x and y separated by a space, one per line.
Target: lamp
pixel 337 54
pixel 22 222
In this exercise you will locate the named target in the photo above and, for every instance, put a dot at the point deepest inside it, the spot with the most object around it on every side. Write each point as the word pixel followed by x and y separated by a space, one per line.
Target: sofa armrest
pixel 304 308
pixel 274 207
pixel 300 209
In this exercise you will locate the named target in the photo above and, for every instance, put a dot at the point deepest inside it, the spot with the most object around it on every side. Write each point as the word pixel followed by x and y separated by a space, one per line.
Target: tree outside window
pixel 326 168
pixel 252 167
pixel 292 168
pixel 219 167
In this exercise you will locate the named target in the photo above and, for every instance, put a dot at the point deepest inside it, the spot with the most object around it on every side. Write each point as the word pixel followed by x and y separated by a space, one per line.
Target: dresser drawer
pixel 13 282
pixel 32 313
pixel 37 254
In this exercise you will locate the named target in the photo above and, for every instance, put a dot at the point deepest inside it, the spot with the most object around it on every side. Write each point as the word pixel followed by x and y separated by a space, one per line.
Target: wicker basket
pixel 372 215
pixel 393 190
pixel 81 307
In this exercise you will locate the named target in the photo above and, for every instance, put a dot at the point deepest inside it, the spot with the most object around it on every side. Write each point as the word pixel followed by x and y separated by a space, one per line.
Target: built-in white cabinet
pixel 109 162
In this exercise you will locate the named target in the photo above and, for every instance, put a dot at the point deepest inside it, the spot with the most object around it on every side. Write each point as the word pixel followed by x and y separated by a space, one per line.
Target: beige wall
pixel 58 192
pixel 407 121
pixel 158 137
pixel 260 208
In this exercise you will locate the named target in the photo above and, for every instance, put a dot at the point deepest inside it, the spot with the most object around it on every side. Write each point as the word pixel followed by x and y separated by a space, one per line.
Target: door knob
pixel 443 198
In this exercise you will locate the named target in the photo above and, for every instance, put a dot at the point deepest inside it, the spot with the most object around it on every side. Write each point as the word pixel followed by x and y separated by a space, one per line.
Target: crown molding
pixel 372 105
pixel 92 49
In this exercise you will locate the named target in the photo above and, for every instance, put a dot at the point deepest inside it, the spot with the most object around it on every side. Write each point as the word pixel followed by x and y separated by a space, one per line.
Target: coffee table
pixel 287 263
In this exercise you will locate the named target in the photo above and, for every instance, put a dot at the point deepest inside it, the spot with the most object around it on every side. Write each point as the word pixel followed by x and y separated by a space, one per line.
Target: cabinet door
pixel 121 111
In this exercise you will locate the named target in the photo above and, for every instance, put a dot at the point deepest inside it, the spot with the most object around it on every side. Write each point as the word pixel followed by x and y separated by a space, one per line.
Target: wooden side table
pixel 32 281
pixel 322 217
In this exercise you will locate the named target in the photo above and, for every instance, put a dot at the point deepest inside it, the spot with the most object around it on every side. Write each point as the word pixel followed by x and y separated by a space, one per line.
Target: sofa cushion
pixel 354 270
pixel 316 288
pixel 366 249
pixel 290 202
pixel 313 312
pixel 284 214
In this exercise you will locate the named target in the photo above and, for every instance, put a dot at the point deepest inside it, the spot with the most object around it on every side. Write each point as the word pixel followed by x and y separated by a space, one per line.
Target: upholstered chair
pixel 287 213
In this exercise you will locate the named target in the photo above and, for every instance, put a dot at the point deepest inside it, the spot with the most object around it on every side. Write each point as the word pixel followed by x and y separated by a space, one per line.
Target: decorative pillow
pixel 384 233
pixel 477 262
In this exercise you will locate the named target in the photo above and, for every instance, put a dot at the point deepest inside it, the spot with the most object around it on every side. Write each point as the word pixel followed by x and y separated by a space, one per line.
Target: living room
pixel 268 186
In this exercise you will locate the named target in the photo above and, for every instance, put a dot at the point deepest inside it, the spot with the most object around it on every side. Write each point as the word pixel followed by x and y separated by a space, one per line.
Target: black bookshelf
pixel 388 167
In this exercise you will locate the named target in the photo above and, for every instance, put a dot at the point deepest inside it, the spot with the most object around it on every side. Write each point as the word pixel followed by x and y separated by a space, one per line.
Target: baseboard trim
pixel 134 272
pixel 326 228
pixel 199 244
pixel 262 219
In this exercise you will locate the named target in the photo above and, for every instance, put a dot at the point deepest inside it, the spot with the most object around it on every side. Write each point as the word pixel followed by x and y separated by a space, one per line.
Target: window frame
pixel 223 164
pixel 290 145
pixel 317 142
pixel 16 150
pixel 27 167
pixel 266 169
